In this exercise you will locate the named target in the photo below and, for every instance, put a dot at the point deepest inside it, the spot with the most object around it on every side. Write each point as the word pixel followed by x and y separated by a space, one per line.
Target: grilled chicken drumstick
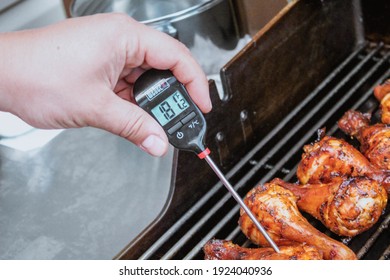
pixel 225 250
pixel 345 206
pixel 332 157
pixel 374 139
pixel 381 92
pixel 276 208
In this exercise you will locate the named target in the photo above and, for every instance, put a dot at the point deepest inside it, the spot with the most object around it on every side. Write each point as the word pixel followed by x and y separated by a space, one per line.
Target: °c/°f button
pixel 189 117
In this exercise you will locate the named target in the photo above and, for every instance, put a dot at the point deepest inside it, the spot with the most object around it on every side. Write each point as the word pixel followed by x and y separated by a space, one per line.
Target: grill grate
pixel 350 85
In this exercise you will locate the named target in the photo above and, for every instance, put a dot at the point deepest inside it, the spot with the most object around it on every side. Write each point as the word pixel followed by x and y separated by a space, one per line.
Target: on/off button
pixel 174 128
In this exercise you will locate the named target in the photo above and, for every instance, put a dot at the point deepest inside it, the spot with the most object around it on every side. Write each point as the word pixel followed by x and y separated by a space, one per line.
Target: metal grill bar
pixel 233 234
pixel 365 61
pixel 373 238
pixel 386 254
pixel 211 234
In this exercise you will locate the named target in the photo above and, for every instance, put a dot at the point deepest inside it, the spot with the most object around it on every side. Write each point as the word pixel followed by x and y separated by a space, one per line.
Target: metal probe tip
pixel 235 195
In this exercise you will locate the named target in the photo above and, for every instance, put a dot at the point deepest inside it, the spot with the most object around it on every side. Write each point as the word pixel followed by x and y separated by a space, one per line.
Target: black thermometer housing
pixel 160 94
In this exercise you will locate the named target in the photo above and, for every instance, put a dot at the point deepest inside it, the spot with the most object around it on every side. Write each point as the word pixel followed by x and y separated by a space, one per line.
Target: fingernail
pixel 154 145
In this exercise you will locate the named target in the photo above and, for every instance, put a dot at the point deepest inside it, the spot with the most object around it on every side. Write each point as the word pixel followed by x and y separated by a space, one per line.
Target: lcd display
pixel 171 107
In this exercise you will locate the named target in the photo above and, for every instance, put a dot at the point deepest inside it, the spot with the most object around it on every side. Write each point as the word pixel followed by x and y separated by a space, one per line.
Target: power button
pixel 174 128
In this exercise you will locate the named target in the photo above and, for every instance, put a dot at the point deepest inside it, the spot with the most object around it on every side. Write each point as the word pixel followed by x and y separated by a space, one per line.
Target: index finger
pixel 159 50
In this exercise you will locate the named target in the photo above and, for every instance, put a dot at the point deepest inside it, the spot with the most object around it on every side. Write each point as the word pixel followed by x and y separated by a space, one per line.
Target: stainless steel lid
pixel 146 11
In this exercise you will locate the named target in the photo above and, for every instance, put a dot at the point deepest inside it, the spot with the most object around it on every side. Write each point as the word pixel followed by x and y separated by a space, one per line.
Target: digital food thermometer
pixel 160 94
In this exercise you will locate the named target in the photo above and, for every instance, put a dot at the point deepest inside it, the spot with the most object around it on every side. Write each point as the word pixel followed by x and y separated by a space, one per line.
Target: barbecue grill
pixel 314 61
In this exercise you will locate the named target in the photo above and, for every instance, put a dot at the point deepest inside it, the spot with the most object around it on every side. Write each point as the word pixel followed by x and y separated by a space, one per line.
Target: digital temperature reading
pixel 170 108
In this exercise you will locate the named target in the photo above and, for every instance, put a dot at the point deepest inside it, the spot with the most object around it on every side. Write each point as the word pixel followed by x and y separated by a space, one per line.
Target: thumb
pixel 133 123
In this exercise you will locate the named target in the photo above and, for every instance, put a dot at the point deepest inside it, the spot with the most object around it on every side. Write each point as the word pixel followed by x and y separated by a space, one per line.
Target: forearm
pixel 23 69
pixel 8 81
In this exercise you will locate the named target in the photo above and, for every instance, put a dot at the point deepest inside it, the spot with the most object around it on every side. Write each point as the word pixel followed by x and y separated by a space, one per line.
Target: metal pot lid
pixel 146 11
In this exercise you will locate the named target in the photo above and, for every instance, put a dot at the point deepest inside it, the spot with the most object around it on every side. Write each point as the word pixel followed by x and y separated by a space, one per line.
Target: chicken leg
pixel 276 208
pixel 331 157
pixel 374 139
pixel 216 249
pixel 347 207
pixel 381 92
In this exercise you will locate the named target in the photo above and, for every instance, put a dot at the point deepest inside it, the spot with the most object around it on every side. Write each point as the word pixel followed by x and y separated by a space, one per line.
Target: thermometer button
pixel 174 128
pixel 187 118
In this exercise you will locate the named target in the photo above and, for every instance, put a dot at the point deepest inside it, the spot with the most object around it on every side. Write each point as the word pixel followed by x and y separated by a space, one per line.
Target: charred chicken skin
pixel 276 208
pixel 381 92
pixel 374 139
pixel 345 206
pixel 331 157
pixel 216 249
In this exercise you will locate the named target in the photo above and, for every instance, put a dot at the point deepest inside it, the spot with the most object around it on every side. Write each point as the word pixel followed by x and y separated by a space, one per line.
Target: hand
pixel 80 72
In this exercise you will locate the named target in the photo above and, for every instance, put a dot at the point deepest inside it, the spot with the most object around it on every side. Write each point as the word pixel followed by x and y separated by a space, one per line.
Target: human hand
pixel 80 72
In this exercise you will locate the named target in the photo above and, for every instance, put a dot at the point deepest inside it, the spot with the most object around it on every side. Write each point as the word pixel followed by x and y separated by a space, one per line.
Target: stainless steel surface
pixel 5 4
pixel 241 202
pixel 84 195
pixel 207 27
